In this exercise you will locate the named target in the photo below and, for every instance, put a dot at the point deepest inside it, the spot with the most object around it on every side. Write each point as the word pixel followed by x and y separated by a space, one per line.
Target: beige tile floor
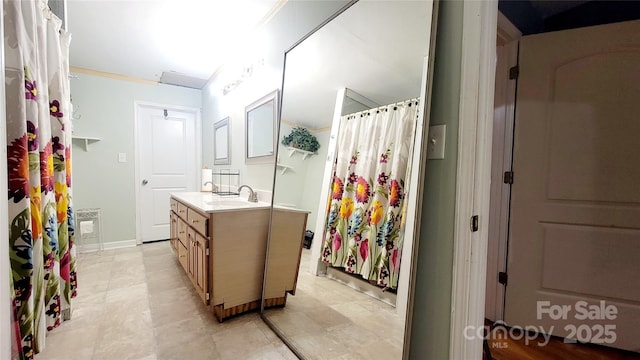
pixel 328 320
pixel 137 303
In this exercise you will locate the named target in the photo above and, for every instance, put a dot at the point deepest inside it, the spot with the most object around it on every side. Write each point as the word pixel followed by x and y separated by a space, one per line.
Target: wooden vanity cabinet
pixel 223 254
pixel 285 250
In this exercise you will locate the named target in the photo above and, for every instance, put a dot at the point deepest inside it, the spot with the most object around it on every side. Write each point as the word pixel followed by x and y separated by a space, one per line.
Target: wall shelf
pixel 305 154
pixel 284 168
pixel 86 140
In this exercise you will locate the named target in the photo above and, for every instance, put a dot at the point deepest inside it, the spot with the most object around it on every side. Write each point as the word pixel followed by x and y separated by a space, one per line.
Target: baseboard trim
pixel 361 285
pixel 107 246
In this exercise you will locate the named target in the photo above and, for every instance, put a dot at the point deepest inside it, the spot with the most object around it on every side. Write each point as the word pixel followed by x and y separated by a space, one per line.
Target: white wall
pixel 217 106
pixel 431 313
pixel 289 187
pixel 313 179
pixel 300 186
pixel 106 107
pixel 291 23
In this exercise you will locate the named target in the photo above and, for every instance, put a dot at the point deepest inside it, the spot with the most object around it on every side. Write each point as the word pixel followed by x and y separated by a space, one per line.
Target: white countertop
pixel 207 202
pixel 291 209
pixel 210 203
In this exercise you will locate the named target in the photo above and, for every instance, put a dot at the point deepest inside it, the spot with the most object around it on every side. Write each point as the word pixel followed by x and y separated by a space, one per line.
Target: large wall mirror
pixel 260 125
pixel 342 228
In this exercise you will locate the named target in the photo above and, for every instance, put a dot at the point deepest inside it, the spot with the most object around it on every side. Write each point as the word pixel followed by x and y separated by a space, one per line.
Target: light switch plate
pixel 122 157
pixel 435 142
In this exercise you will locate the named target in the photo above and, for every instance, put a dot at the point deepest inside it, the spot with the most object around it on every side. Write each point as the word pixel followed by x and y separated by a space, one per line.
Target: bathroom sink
pixel 228 202
pixel 210 203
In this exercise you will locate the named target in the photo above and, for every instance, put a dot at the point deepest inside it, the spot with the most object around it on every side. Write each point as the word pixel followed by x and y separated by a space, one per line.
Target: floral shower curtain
pixel 41 225
pixel 366 207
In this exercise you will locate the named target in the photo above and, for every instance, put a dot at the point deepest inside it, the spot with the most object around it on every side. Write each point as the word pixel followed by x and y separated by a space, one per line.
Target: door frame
pixel 137 131
pixel 501 161
pixel 473 178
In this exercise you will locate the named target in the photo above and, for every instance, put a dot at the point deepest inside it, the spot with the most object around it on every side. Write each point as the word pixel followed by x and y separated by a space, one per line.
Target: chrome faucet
pixel 214 188
pixel 253 197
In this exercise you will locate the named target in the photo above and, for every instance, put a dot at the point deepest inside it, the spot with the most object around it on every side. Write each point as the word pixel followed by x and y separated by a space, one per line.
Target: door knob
pixel 145 182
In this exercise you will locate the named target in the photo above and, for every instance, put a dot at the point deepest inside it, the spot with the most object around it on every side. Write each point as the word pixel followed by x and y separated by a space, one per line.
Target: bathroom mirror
pixel 356 85
pixel 221 143
pixel 260 125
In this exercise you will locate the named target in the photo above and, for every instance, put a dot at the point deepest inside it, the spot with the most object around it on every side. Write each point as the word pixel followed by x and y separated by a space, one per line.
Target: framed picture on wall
pixel 260 129
pixel 221 142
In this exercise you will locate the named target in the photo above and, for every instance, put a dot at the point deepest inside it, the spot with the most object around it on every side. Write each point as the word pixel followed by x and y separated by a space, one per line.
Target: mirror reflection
pixel 334 285
pixel 260 119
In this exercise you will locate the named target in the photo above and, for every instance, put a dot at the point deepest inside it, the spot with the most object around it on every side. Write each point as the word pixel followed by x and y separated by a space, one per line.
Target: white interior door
pixel 575 213
pixel 167 162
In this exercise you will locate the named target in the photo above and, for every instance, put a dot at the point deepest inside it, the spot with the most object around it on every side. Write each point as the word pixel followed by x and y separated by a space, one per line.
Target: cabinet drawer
pixel 182 210
pixel 198 222
pixel 182 256
pixel 173 204
pixel 182 232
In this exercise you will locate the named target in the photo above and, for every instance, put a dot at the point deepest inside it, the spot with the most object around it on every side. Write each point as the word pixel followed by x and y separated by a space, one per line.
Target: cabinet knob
pixel 194 221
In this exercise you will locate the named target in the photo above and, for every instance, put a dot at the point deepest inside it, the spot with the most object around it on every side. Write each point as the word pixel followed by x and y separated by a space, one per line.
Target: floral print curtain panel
pixel 41 225
pixel 366 207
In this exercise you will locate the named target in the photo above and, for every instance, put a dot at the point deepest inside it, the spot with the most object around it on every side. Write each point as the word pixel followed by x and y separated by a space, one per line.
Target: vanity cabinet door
pixel 201 279
pixel 192 257
pixel 182 255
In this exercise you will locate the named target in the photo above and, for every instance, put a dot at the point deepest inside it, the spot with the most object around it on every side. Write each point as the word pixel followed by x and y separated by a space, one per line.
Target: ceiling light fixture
pixel 247 72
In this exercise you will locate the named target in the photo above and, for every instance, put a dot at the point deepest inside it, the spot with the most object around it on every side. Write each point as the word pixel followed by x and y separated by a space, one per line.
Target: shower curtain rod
pixel 383 107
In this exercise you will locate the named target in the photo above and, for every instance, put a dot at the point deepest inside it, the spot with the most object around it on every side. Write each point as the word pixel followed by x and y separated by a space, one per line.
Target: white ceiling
pixel 375 48
pixel 143 38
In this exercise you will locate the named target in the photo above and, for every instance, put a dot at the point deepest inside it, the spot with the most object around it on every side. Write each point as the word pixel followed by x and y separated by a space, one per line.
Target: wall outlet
pixel 435 141
pixel 122 157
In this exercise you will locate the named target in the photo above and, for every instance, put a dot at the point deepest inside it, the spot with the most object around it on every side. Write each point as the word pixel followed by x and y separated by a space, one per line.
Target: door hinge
pixel 508 177
pixel 503 278
pixel 474 223
pixel 207 252
pixel 206 296
pixel 514 72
